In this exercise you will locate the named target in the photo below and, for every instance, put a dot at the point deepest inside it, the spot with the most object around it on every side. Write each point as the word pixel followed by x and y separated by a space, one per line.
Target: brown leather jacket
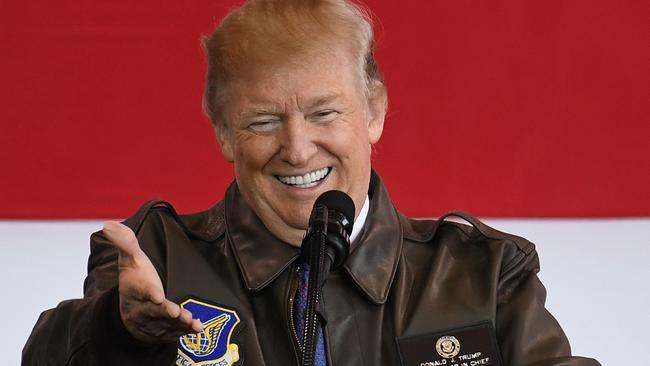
pixel 407 283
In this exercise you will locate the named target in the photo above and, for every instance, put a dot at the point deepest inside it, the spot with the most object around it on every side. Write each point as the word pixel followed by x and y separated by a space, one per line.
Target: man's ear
pixel 224 139
pixel 377 105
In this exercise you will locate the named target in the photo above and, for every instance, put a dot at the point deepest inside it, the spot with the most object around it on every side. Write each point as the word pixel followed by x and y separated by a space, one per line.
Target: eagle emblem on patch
pixel 448 346
pixel 210 347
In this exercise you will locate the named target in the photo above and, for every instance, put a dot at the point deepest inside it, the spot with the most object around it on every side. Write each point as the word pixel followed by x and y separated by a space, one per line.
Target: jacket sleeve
pixel 89 331
pixel 528 334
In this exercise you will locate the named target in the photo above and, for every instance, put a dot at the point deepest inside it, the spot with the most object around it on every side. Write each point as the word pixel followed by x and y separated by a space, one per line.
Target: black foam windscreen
pixel 337 201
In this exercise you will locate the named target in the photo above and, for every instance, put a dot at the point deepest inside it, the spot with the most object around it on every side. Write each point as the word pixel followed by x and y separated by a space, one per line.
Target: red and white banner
pixel 503 108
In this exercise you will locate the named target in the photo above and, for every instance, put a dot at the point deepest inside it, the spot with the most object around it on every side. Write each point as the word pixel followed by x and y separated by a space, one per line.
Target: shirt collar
pixel 360 221
pixel 262 257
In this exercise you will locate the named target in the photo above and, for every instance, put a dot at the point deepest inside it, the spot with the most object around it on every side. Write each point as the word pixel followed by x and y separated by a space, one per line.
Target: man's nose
pixel 298 145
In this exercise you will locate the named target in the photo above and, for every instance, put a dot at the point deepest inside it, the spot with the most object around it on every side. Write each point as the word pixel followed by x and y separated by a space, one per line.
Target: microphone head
pixel 338 201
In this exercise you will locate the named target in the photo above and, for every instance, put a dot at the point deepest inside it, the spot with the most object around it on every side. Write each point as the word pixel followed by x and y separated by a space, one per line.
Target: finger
pixel 188 325
pixel 157 321
pixel 122 237
pixel 150 314
pixel 154 293
pixel 172 310
pixel 185 317
pixel 182 317
pixel 197 326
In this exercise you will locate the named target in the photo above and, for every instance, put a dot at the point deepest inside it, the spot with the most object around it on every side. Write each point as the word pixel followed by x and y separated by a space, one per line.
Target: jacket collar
pixel 262 257
pixel 373 261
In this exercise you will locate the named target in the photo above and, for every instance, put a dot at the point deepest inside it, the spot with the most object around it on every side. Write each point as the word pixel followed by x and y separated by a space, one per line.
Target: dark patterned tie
pixel 300 307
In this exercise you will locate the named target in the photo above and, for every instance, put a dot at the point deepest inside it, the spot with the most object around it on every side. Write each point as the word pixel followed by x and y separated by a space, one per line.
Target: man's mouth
pixel 307 180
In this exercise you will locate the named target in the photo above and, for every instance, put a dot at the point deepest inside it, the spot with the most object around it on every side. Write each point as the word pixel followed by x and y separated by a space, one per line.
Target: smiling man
pixel 297 101
pixel 293 134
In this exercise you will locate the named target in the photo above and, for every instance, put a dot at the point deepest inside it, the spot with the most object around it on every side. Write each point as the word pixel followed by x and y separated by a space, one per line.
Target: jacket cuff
pixel 117 330
pixel 115 345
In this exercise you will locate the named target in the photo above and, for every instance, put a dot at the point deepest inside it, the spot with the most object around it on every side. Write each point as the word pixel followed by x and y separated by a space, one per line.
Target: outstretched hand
pixel 144 310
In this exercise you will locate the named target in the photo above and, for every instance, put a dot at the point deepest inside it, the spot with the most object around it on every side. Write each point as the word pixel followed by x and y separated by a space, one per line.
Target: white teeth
pixel 307 185
pixel 305 181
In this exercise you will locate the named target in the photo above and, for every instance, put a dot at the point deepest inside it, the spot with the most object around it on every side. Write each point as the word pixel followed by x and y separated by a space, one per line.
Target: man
pixel 297 101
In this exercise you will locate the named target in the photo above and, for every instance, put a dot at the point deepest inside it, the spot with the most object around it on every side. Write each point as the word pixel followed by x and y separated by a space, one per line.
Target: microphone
pixel 333 218
pixel 326 246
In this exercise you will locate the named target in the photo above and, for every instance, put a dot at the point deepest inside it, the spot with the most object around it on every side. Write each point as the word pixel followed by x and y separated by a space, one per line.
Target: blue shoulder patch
pixel 212 346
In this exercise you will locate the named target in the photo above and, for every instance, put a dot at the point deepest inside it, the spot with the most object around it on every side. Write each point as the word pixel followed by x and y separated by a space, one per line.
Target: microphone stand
pixel 315 251
pixel 326 246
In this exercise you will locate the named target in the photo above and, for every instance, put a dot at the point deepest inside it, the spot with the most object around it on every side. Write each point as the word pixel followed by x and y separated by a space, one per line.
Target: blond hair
pixel 276 32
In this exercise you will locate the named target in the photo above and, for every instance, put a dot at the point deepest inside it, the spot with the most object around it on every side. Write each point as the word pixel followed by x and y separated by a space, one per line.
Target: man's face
pixel 294 132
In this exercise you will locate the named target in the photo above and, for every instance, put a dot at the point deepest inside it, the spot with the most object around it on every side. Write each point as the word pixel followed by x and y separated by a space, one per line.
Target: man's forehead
pixel 304 83
pixel 313 64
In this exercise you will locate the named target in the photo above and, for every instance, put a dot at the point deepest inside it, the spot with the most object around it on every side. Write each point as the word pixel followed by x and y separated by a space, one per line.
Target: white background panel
pixel 596 273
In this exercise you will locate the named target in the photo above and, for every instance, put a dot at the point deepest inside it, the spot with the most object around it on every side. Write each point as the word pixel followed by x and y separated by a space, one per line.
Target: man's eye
pixel 263 126
pixel 325 115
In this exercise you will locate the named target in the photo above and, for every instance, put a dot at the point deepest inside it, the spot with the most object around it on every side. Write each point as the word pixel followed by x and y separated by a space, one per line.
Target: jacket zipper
pixel 311 330
pixel 292 325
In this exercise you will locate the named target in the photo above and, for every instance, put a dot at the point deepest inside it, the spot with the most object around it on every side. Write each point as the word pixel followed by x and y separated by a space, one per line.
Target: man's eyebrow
pixel 259 111
pixel 321 100
pixel 312 103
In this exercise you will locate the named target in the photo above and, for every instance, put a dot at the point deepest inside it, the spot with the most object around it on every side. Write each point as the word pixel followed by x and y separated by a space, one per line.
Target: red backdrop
pixel 500 108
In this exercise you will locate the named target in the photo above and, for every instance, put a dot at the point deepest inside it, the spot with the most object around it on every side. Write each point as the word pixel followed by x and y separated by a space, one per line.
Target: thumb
pixel 122 237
